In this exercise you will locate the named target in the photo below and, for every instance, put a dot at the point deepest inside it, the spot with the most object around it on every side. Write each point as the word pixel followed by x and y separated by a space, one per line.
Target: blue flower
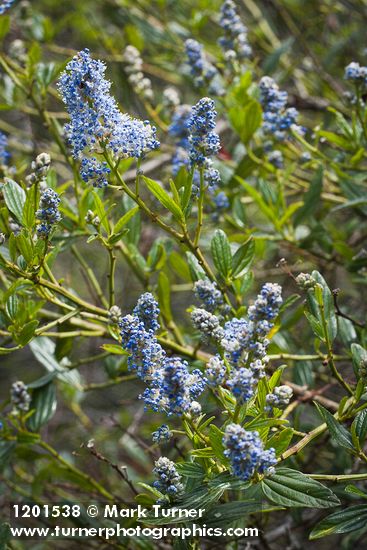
pixel 277 119
pixel 246 453
pixel 95 171
pixel 280 397
pixel 147 311
pixel 20 397
pixel 215 371
pixel 276 158
pixel 204 142
pixel 242 385
pixel 4 153
pixel 5 6
pixel 221 201
pixel 209 294
pixel 234 40
pixel 146 354
pixel 96 121
pixel 169 480
pixel 207 323
pixel 48 212
pixel 173 388
pixel 248 335
pixel 356 73
pixel 163 433
pixel 204 73
pixel 267 303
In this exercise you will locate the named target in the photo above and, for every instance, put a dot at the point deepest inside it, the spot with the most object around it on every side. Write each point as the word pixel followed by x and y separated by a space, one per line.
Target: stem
pixel 330 357
pixel 76 471
pixel 339 478
pixel 109 383
pixel 154 217
pixel 90 274
pixel 111 277
pixel 303 442
pixel 200 208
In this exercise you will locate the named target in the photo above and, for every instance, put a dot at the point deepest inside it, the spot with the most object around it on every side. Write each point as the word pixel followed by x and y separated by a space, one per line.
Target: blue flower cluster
pixel 356 73
pixel 4 153
pixel 163 433
pixel 234 42
pixel 266 307
pixel 172 388
pixel 181 130
pixel 19 396
pixel 244 338
pixel 169 480
pixel 242 384
pixel 96 121
pixel 94 171
pixel 276 158
pixel 246 453
pixel 221 201
pixel 209 294
pixel 48 212
pixel 280 397
pixel 277 118
pixel 147 311
pixel 5 6
pixel 134 65
pixel 204 142
pixel 146 354
pixel 207 323
pixel 215 371
pixel 204 73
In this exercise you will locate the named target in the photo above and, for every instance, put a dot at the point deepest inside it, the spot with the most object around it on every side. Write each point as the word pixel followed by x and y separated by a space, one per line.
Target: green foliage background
pixel 320 226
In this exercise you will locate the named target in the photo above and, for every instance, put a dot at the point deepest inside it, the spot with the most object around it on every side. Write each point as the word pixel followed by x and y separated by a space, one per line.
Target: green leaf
pixel 30 207
pixel 265 209
pixel 221 252
pixel 343 521
pixel 296 490
pixel 164 295
pixel 163 197
pixel 12 307
pixel 197 272
pixel 124 220
pixel 101 213
pixel 216 441
pixel 315 325
pixel 280 441
pixel 5 533
pixel 44 402
pixel 250 120
pixel 337 430
pixel 6 450
pixel 359 358
pixel 222 515
pixel 352 489
pixel 15 198
pixel 360 426
pixel 116 349
pixel 27 332
pixel 4 26
pixel 243 258
pixel 311 198
pixel 337 140
pixel 191 469
pixel 205 452
pixel 44 351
